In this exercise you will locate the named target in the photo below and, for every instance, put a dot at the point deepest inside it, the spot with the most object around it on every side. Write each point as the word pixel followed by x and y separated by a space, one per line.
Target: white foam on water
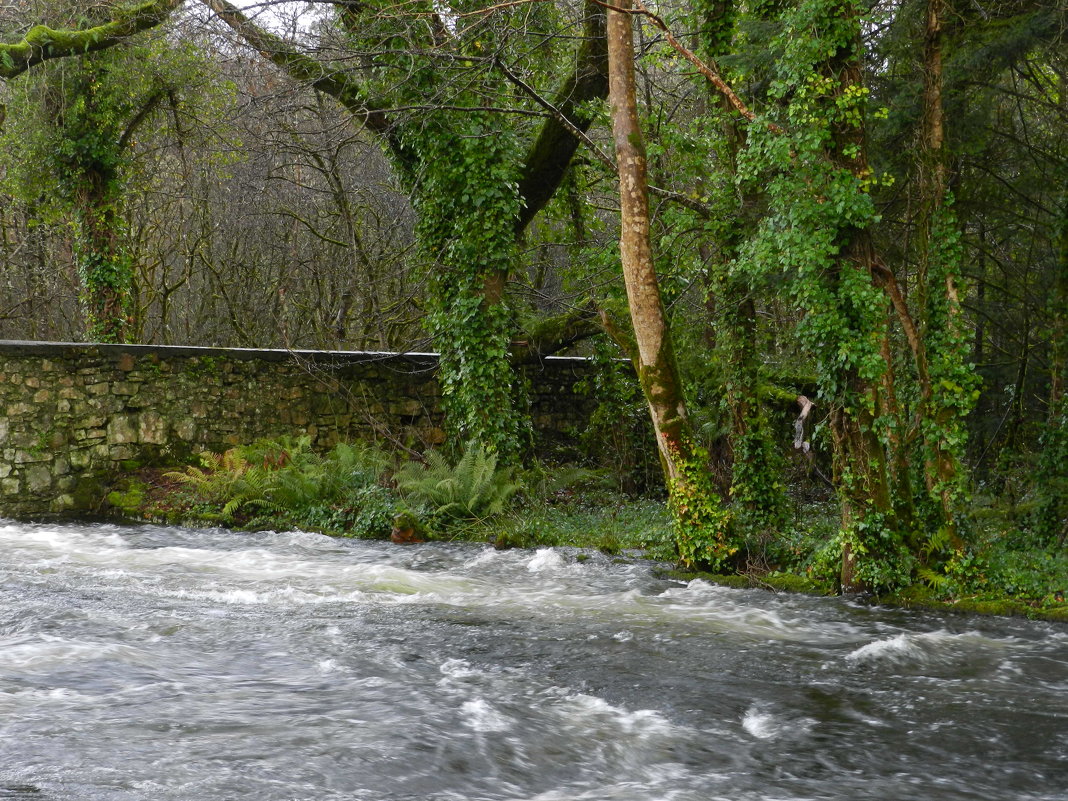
pixel 545 559
pixel 479 715
pixel 764 725
pixel 485 557
pixel 454 669
pixel 46 651
pixel 926 648
pixel 15 702
pixel 752 615
pixel 245 597
pixel 591 711
pixel 328 666
pixel 43 546
pixel 896 649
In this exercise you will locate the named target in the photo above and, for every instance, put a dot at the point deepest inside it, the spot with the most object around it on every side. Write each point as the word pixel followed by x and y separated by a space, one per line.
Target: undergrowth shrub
pixel 285 479
pixel 471 490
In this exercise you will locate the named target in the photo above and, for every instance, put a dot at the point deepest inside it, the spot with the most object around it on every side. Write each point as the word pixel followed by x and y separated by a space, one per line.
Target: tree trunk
pixel 861 464
pixel 700 524
pixel 938 301
pixel 103 265
pixel 656 366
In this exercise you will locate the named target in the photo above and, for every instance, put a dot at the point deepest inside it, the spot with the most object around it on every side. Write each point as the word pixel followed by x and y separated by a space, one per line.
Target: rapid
pixel 150 662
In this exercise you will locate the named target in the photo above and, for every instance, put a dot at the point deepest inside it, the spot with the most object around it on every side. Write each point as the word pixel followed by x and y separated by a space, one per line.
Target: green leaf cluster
pixel 473 489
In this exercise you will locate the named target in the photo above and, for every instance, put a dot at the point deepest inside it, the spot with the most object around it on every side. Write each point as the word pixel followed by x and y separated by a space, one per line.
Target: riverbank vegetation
pixel 360 491
pixel 832 244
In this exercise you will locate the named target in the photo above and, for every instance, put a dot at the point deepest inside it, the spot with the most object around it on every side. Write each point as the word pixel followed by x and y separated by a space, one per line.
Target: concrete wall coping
pixel 41 348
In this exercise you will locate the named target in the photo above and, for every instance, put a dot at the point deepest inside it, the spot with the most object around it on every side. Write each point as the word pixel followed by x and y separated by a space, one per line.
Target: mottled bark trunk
pixel 1059 345
pixel 656 366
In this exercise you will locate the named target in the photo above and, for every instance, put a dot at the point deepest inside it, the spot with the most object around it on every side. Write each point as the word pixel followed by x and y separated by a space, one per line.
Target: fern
pixel 282 475
pixel 473 489
pixel 936 581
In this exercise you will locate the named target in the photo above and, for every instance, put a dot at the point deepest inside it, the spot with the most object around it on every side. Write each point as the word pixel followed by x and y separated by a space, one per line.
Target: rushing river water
pixel 168 663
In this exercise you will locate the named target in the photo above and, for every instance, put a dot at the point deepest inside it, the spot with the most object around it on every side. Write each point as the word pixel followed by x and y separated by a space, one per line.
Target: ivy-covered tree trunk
pixel 103 265
pixel 1052 512
pixel 838 277
pixel 861 418
pixel 468 166
pixel 472 189
pixel 755 481
pixel 939 349
pixel 71 125
pixel 701 526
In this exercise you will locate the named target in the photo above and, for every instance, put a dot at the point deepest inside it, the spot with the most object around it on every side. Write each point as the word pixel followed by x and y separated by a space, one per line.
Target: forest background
pixel 838 263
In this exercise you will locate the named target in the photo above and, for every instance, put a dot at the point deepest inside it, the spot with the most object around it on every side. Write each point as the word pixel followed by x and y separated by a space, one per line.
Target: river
pixel 150 662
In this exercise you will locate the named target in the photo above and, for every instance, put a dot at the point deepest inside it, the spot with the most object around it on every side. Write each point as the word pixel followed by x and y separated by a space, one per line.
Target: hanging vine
pixel 469 165
pixel 818 187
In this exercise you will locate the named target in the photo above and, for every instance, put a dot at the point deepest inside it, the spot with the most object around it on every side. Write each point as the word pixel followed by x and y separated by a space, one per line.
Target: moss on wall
pixel 73 415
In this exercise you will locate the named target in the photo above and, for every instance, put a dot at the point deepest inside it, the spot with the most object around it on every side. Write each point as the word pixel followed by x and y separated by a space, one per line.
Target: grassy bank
pixel 357 491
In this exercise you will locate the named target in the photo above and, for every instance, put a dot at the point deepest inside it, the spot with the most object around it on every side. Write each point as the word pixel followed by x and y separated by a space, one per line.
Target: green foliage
pixel 807 155
pixel 365 512
pixel 1050 518
pixel 587 518
pixel 467 165
pixel 472 489
pixel 70 142
pixel 462 165
pixel 704 534
pixel 618 433
pixel 286 476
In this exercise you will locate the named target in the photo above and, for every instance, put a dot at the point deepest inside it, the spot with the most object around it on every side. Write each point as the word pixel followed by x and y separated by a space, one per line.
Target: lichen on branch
pixel 41 42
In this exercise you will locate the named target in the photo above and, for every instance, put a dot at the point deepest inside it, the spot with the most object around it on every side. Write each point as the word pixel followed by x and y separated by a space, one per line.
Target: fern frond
pixel 472 489
pixel 936 581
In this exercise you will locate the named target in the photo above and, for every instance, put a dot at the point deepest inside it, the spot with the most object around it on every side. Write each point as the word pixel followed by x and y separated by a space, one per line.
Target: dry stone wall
pixel 75 415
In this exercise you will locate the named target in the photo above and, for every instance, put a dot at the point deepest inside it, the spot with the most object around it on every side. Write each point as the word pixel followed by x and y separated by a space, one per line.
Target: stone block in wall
pixel 38 479
pixel 122 429
pixel 152 428
pixel 62 503
pixel 24 439
pixel 186 429
pixel 120 453
pixel 124 388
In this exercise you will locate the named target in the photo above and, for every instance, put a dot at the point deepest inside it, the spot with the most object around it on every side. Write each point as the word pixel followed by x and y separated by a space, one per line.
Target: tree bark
pixel 701 526
pixel 656 367
pixel 42 43
pixel 551 152
pixel 941 466
pixel 861 470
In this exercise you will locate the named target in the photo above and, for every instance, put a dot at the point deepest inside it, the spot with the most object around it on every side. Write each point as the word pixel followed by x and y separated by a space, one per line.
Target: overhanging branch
pixel 42 43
